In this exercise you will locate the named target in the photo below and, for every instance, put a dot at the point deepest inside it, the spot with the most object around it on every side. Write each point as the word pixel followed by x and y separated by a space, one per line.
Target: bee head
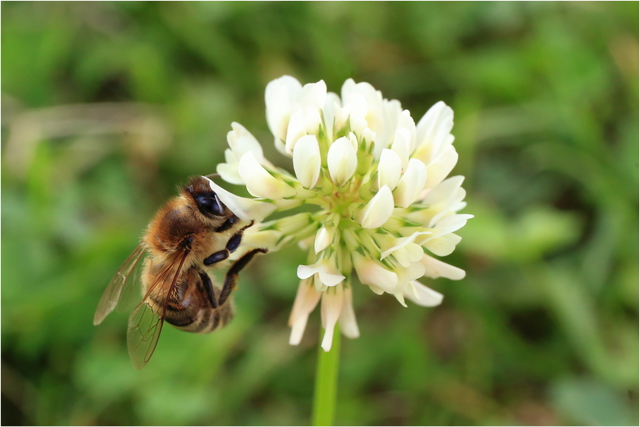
pixel 205 198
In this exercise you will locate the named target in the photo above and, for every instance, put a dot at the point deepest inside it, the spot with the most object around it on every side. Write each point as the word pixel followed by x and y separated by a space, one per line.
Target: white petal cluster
pixel 384 206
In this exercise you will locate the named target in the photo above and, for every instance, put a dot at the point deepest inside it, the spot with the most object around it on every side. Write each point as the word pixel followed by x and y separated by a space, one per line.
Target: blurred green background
pixel 106 107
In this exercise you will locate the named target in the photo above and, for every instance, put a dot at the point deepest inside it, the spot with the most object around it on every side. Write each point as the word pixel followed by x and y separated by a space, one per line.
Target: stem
pixel 325 393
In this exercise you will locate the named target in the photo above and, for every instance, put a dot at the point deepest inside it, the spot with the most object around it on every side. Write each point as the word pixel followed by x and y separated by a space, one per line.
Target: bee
pixel 193 231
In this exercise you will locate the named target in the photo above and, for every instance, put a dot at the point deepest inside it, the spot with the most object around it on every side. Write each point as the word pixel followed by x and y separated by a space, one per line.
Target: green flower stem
pixel 326 388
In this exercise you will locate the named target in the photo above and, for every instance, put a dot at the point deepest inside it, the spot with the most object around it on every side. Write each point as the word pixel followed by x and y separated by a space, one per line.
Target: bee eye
pixel 210 205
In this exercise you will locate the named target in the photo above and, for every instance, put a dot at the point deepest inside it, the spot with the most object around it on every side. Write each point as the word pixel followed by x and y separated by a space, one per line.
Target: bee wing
pixel 144 330
pixel 145 323
pixel 121 289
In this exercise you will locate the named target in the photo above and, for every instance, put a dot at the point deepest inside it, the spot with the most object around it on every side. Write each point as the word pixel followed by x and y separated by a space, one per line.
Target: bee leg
pixel 227 224
pixel 208 287
pixel 216 257
pixel 232 245
pixel 231 278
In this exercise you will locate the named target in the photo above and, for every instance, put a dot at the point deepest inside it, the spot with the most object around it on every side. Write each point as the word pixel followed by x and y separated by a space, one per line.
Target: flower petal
pixel 254 238
pixel 330 279
pixel 408 254
pixel 241 141
pixel 280 96
pixel 326 271
pixel 443 200
pixel 261 183
pixel 405 122
pixel 314 94
pixel 391 113
pixel 306 300
pixel 340 117
pixel 323 239
pixel 365 103
pixel 433 131
pixel 332 103
pixel 295 130
pixel 411 184
pixel 402 145
pixel 406 275
pixel 378 210
pixel 389 169
pixel 332 302
pixel 435 268
pixel 303 121
pixel 451 223
pixel 444 191
pixel 348 322
pixel 371 273
pixel 306 271
pixel 306 160
pixel 402 242
pixel 229 172
pixel 442 245
pixel 342 160
pixel 441 166
pixel 422 295
pixel 400 299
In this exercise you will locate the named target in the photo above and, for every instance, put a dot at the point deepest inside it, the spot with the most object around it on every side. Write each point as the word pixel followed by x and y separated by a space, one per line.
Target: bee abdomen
pixel 197 320
pixel 178 316
pixel 210 320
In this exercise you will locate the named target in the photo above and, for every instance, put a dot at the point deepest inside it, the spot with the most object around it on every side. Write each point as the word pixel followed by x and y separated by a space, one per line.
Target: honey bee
pixel 193 231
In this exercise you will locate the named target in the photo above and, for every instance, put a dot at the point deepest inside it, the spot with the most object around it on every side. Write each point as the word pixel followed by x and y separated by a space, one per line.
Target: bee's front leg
pixel 232 245
pixel 227 224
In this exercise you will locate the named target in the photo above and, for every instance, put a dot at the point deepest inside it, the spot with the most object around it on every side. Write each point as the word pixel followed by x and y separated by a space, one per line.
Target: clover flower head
pixel 378 182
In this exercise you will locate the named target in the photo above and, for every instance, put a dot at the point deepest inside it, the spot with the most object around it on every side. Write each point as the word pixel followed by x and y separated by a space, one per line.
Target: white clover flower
pixel 378 182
